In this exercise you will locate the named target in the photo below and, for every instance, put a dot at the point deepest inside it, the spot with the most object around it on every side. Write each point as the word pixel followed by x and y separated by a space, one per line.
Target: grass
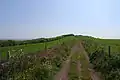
pixel 79 64
pixel 36 68
pixel 85 73
pixel 73 72
pixel 108 66
pixel 113 43
pixel 33 48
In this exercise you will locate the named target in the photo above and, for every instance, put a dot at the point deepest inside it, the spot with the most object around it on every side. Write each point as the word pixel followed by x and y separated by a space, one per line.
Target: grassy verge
pixel 73 72
pixel 79 65
pixel 30 48
pixel 85 74
pixel 36 68
pixel 102 62
pixel 34 48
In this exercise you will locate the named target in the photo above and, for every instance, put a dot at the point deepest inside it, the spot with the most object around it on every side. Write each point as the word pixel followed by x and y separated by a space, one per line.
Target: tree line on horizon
pixel 6 43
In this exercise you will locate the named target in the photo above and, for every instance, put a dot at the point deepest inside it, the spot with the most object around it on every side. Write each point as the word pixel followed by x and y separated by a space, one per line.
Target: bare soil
pixel 82 65
pixel 93 73
pixel 63 73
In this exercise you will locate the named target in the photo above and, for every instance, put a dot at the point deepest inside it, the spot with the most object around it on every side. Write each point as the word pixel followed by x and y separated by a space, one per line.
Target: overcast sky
pixel 27 19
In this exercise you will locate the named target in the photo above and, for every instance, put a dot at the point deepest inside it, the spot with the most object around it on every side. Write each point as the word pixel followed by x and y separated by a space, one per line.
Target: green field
pixel 104 60
pixel 33 48
pixel 32 67
pixel 22 66
pixel 113 43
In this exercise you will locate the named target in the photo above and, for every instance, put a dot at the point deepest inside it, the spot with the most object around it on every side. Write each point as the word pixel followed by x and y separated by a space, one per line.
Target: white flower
pixel 21 50
pixel 8 51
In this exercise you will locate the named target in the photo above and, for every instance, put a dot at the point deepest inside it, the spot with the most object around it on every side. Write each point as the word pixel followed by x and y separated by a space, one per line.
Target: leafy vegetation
pixel 34 48
pixel 49 54
pixel 37 66
pixel 107 64
pixel 6 43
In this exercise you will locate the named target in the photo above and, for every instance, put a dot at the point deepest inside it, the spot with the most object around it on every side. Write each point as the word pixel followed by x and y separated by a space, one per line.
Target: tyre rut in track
pixel 93 74
pixel 63 73
pixel 76 67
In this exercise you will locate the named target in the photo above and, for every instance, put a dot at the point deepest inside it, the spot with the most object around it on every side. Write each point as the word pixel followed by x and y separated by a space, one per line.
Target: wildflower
pixel 9 54
pixel 21 50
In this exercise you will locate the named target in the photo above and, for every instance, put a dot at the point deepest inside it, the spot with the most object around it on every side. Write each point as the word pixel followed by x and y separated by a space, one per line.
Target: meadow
pixel 33 48
pixel 41 65
pixel 104 59
pixel 42 61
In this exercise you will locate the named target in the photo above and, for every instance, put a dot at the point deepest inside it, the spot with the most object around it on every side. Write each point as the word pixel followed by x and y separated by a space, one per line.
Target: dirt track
pixel 83 70
pixel 94 75
pixel 63 74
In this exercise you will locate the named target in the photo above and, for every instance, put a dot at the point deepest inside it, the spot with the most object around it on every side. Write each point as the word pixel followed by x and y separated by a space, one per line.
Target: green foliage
pixel 35 48
pixel 109 66
pixel 6 43
pixel 32 67
pixel 36 66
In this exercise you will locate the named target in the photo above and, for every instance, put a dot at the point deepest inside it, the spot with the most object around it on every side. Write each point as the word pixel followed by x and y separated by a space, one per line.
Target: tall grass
pixel 36 67
pixel 34 48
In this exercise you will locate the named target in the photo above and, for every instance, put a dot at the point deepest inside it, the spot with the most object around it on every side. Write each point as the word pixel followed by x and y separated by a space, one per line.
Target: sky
pixel 28 19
